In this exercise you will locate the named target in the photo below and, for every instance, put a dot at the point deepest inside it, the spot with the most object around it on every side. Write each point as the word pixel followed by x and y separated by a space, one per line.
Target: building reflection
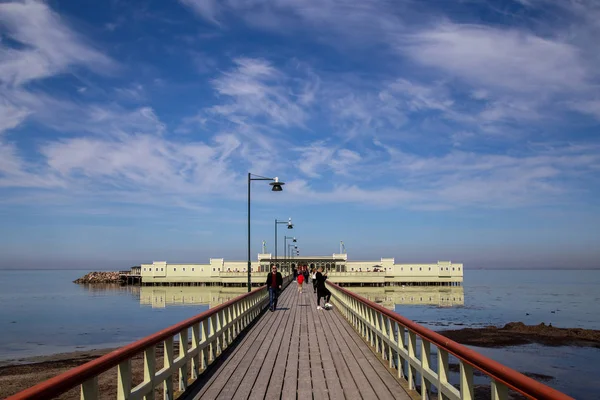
pixel 390 296
pixel 162 296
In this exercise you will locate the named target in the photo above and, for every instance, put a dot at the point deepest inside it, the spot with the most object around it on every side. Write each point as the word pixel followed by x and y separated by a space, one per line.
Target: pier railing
pixel 211 333
pixel 395 338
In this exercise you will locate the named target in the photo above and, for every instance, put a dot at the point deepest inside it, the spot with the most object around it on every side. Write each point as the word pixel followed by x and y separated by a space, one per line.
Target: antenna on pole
pixel 264 249
pixel 342 247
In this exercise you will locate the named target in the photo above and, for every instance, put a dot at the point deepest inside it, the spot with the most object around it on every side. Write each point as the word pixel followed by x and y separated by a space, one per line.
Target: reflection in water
pixel 162 296
pixel 111 287
pixel 390 296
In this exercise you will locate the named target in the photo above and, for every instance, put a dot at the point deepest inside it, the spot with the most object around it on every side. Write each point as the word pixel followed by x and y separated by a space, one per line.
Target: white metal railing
pixel 395 338
pixel 211 333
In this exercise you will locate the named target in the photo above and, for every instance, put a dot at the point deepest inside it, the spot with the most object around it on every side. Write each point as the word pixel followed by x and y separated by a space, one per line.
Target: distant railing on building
pixel 211 333
pixel 397 338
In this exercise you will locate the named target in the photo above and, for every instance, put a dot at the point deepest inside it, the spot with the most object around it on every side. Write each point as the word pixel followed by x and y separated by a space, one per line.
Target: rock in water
pixel 99 277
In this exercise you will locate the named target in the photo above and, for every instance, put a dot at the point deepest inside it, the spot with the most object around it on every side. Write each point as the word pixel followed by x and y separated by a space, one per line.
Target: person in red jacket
pixel 300 280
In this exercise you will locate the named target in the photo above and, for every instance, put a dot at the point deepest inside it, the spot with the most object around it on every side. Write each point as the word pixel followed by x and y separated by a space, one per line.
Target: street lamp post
pixel 276 186
pixel 291 249
pixel 286 247
pixel 289 226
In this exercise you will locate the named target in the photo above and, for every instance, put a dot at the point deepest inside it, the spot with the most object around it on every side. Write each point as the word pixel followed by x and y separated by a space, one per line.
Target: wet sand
pixel 517 333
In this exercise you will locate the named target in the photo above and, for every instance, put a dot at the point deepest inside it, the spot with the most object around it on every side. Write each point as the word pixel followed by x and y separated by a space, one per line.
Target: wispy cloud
pixel 256 89
pixel 48 45
pixel 499 58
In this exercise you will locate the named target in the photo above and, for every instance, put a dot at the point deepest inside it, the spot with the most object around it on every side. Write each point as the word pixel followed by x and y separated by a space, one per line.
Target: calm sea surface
pixel 43 312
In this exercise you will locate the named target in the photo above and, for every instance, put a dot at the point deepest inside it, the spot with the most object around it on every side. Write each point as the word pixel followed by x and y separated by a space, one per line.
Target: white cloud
pixel 590 107
pixel 256 89
pixel 206 8
pixel 420 97
pixel 50 47
pixel 320 157
pixel 14 172
pixel 546 176
pixel 10 115
pixel 141 164
pixel 497 58
pixel 345 18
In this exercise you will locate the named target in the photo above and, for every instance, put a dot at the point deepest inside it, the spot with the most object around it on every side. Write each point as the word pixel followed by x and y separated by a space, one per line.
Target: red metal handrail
pixel 511 378
pixel 78 375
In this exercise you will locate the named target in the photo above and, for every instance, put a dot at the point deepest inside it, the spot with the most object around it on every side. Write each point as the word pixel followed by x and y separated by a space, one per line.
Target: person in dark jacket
pixel 305 273
pixel 274 282
pixel 322 291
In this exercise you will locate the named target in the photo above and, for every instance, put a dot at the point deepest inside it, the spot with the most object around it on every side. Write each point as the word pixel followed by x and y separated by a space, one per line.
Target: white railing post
pixel 150 369
pixel 89 389
pixel 401 345
pixel 212 353
pixel 443 372
pixel 195 365
pixel 124 380
pixel 466 381
pixel 425 362
pixel 412 357
pixel 370 327
pixel 499 390
pixel 204 351
pixel 168 363
pixel 378 341
pixel 390 337
pixel 183 349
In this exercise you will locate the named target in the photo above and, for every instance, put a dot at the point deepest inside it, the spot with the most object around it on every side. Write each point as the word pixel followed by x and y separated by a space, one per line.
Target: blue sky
pixel 417 130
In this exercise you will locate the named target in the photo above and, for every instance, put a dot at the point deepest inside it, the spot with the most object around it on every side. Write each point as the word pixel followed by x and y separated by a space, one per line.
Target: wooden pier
pixel 299 352
pixel 240 350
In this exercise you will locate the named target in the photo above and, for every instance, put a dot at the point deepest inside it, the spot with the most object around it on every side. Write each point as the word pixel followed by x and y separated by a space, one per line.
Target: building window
pixel 411 268
pixel 459 268
pixel 184 270
pixel 161 269
pixel 174 269
pixel 420 269
pixel 430 268
pixel 213 270
pixel 157 268
pixel 192 269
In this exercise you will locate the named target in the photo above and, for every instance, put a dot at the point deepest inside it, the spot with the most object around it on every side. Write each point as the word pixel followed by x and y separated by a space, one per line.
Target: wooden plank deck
pixel 298 352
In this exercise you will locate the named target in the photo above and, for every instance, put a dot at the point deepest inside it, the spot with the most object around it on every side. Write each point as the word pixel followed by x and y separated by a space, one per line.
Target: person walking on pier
pixel 313 277
pixel 300 280
pixel 274 282
pixel 322 291
pixel 305 273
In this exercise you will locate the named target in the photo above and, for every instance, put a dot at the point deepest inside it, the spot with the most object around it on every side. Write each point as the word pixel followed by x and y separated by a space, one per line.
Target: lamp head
pixel 294 240
pixel 276 186
pixel 290 225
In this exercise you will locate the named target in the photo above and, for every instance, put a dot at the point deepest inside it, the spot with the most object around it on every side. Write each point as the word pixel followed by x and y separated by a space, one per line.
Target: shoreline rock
pixel 517 333
pixel 99 277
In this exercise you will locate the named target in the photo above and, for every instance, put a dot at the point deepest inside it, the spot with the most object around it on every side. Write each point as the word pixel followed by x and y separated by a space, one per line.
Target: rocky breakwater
pixel 99 277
